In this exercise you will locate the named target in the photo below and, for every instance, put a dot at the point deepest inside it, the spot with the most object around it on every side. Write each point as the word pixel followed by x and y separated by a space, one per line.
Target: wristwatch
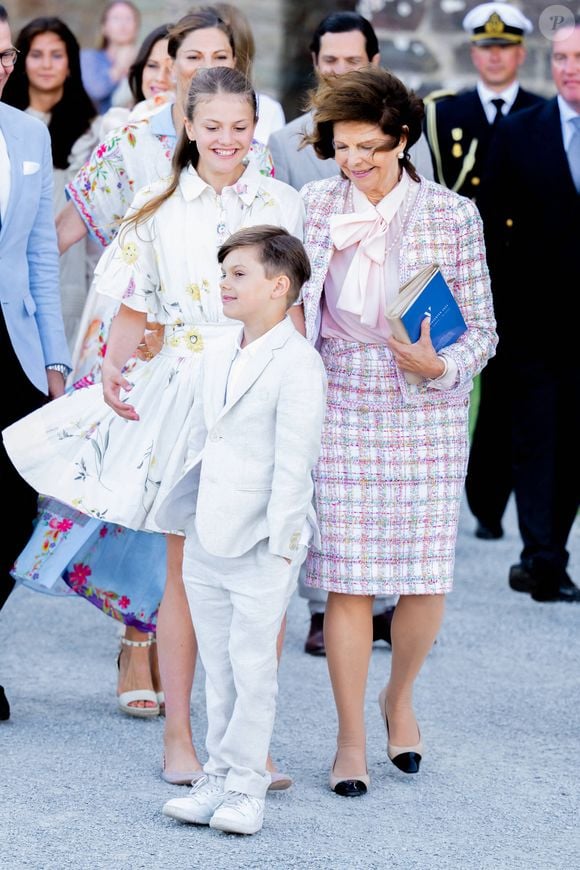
pixel 59 367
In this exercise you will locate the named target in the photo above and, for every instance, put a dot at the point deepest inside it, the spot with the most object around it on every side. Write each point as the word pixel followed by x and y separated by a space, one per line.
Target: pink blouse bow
pixel 364 285
pixel 363 289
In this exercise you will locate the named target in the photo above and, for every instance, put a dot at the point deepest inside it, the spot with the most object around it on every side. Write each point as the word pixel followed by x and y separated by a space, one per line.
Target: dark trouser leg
pixel 489 472
pixel 545 443
pixel 20 500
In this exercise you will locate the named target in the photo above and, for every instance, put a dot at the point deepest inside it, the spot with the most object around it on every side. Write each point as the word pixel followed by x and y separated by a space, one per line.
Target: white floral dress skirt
pixel 81 452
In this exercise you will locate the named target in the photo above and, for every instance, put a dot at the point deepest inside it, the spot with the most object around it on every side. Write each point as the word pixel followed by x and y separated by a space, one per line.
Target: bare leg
pixel 134 667
pixel 416 622
pixel 348 637
pixel 177 651
pixel 280 641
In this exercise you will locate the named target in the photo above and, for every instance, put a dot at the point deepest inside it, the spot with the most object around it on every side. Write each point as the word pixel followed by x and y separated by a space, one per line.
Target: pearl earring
pixel 401 155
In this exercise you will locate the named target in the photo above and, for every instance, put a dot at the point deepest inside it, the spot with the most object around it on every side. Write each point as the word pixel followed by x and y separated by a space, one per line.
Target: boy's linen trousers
pixel 237 606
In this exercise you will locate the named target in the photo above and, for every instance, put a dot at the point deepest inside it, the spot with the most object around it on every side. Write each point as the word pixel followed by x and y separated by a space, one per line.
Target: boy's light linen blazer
pixel 248 473
pixel 444 228
pixel 29 272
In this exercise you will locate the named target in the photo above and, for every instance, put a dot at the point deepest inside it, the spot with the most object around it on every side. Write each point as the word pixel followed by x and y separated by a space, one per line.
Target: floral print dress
pixel 79 451
pixel 122 572
pixel 129 158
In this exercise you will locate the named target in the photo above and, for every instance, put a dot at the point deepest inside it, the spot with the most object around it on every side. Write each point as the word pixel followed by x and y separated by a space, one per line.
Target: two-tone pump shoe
pixel 405 758
pixel 349 786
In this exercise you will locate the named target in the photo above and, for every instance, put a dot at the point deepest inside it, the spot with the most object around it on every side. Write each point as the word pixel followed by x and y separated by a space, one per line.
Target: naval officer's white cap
pixel 496 24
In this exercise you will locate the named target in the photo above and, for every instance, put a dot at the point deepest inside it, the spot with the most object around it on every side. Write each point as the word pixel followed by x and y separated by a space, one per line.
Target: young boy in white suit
pixel 244 500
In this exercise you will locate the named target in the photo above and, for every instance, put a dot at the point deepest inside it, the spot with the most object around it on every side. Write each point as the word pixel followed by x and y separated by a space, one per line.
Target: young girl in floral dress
pixel 114 461
pixel 96 559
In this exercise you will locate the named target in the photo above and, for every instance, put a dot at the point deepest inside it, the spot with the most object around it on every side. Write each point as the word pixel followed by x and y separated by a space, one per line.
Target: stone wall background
pixel 421 40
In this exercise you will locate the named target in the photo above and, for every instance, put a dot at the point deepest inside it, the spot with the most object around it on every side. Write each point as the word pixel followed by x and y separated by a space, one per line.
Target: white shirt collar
pixel 246 187
pixel 253 348
pixel 566 110
pixel 508 96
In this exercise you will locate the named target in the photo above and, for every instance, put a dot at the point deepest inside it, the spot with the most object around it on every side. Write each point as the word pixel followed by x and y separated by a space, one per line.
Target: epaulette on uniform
pixel 441 94
pixel 431 101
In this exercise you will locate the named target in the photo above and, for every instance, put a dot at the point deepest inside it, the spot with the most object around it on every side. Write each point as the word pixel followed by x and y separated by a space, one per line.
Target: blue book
pixel 426 295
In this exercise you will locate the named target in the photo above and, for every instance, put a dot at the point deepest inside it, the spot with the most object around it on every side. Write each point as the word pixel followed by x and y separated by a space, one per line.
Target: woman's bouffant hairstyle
pixel 206 84
pixel 72 115
pixel 279 253
pixel 369 96
pixel 135 76
pixel 200 19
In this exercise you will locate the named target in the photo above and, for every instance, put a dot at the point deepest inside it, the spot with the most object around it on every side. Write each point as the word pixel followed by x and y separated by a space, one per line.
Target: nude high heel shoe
pixel 352 786
pixel 405 758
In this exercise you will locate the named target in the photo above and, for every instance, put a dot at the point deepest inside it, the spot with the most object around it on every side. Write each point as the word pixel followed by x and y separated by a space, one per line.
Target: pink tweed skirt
pixel 389 480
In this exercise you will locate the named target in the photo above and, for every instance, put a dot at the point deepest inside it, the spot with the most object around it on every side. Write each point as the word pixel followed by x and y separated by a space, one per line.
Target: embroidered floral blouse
pixel 129 159
pixel 167 267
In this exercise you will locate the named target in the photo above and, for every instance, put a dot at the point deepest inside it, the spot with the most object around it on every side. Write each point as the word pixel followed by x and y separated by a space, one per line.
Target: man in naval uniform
pixel 460 126
pixel 460 130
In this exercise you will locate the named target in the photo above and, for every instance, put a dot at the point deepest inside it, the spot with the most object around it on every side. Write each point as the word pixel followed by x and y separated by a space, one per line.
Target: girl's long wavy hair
pixel 72 115
pixel 206 84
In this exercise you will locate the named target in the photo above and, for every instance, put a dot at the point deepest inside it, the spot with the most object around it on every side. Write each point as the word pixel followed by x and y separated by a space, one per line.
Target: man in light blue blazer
pixel 33 349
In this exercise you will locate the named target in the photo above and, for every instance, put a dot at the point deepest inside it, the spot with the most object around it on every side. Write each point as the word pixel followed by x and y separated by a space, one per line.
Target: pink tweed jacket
pixel 444 228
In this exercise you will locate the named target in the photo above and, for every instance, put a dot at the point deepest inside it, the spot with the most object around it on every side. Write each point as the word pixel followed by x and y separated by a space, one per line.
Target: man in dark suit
pixel 460 130
pixel 531 210
pixel 34 355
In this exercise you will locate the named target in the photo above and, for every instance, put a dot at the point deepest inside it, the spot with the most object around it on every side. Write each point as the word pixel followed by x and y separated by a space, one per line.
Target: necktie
pixel 574 152
pixel 498 103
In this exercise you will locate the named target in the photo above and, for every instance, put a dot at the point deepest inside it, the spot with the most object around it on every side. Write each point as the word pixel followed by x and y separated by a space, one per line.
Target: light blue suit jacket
pixel 29 273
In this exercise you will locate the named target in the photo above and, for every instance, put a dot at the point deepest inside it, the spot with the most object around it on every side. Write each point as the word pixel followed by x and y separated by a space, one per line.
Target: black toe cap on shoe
pixel 408 762
pixel 350 788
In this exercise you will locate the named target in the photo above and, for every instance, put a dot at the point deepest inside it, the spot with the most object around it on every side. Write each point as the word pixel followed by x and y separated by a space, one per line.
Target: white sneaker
pixel 200 804
pixel 239 813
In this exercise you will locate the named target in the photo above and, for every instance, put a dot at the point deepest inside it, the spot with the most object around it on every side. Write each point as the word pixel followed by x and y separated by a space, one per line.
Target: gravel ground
pixel 498 703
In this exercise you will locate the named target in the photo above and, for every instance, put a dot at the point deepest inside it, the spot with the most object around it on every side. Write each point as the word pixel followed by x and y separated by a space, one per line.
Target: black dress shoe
pixel 382 625
pixel 4 706
pixel 488 533
pixel 560 588
pixel 543 584
pixel 314 645
pixel 520 579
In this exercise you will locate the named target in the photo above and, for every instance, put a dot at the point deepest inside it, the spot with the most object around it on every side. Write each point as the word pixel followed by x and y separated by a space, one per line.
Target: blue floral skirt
pixel 122 572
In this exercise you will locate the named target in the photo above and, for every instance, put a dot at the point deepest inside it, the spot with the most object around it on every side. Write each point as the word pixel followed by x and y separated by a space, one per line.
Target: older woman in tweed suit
pixel 394 454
